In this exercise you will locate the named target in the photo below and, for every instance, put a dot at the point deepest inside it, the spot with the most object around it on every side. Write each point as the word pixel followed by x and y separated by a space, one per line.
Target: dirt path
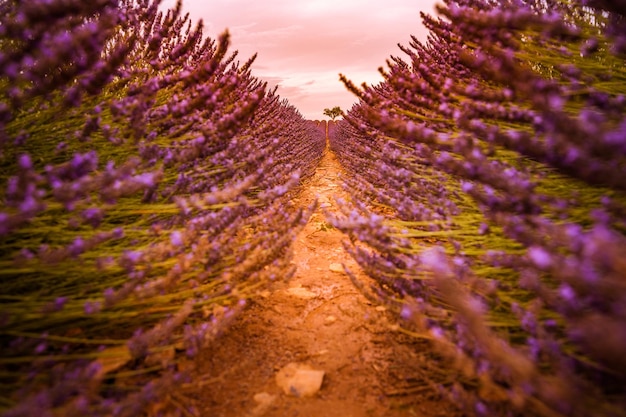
pixel 319 319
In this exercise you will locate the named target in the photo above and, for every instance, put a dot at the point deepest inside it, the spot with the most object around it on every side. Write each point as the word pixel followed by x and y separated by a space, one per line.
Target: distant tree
pixel 333 113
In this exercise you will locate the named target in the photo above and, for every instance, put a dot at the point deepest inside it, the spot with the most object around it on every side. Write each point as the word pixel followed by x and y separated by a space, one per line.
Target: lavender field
pixel 148 180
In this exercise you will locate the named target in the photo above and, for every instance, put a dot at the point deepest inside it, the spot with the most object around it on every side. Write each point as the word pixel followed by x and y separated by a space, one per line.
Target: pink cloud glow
pixel 302 46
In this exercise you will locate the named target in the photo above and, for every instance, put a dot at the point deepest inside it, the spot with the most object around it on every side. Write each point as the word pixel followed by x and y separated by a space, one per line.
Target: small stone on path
pixel 264 398
pixel 330 320
pixel 301 292
pixel 299 380
pixel 264 401
pixel 336 267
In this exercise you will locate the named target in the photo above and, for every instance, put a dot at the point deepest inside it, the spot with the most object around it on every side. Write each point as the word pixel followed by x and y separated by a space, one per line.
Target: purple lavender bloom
pixel 92 307
pixel 77 247
pixel 93 216
pixel 60 302
pixel 540 257
pixel 148 179
pixel 176 238
pixel 25 162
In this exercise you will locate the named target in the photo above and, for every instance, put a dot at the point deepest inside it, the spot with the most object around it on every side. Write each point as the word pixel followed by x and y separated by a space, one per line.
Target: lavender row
pixel 488 204
pixel 146 179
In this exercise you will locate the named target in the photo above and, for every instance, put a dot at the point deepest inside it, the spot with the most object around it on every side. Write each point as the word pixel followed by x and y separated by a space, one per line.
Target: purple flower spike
pixel 176 238
pixel 25 162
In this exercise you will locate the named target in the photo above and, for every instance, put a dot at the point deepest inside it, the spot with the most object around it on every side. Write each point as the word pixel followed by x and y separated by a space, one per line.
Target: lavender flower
pixel 497 135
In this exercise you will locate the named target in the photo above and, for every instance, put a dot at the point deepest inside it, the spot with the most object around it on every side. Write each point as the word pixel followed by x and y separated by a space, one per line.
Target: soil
pixel 319 319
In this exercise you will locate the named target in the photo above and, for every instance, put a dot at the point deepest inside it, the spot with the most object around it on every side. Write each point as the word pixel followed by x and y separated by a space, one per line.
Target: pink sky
pixel 302 46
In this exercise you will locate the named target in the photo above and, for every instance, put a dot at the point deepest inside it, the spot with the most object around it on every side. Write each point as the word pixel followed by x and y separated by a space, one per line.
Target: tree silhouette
pixel 333 113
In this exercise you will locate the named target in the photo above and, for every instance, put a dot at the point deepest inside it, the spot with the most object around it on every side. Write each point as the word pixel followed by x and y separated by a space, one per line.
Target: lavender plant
pixel 145 179
pixel 488 204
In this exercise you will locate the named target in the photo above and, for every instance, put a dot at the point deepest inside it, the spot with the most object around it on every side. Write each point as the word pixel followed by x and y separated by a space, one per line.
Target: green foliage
pixel 333 113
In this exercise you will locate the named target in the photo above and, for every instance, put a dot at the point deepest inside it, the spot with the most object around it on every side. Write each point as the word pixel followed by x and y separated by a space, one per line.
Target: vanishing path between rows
pixel 318 319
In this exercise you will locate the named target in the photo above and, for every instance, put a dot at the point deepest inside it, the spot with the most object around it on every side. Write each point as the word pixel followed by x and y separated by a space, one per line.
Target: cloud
pixel 303 45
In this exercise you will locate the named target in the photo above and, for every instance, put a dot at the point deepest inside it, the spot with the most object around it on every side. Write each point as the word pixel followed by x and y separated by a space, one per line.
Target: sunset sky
pixel 304 45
